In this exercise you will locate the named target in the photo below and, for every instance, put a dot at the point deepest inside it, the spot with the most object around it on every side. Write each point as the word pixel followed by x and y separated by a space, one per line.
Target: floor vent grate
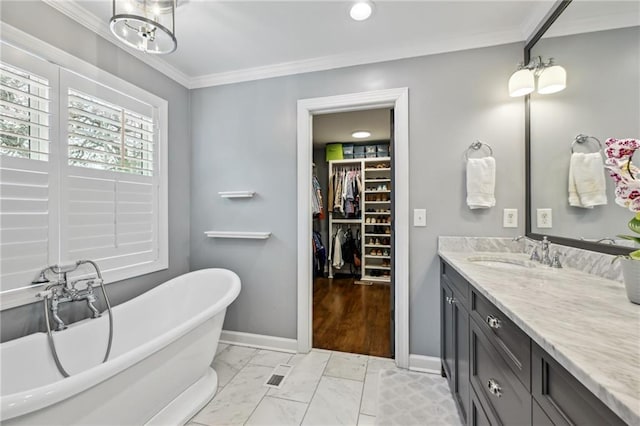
pixel 278 376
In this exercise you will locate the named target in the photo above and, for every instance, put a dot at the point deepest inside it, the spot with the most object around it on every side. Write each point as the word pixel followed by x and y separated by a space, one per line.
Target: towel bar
pixel 476 146
pixel 580 139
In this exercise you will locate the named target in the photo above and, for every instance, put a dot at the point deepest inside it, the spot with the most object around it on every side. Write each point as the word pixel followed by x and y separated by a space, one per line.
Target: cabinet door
pixel 563 398
pixel 446 332
pixel 461 358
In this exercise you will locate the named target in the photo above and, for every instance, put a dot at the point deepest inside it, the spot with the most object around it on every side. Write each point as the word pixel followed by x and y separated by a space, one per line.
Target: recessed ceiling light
pixel 361 10
pixel 361 134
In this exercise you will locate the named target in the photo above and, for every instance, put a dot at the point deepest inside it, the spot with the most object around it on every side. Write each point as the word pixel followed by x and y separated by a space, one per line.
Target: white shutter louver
pixel 24 114
pixel 108 137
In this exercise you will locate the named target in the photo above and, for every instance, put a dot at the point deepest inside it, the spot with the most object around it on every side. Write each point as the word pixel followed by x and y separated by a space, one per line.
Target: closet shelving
pixel 377 225
pixel 376 221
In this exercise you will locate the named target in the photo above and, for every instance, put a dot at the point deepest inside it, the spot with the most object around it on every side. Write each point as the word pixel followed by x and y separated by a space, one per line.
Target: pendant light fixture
pixel 551 78
pixel 147 25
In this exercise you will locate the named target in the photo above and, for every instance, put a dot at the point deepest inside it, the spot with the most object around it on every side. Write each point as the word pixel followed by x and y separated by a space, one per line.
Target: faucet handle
pixel 555 260
pixel 535 256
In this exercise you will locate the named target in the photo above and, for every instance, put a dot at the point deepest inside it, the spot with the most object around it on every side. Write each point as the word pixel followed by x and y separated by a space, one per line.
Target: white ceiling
pixel 338 127
pixel 227 41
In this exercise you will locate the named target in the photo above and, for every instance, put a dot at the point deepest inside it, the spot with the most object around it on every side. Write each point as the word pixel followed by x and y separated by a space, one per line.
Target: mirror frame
pixel 571 242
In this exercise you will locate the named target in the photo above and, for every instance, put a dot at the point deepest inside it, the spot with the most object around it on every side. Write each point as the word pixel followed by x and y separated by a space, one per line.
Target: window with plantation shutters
pixel 82 172
pixel 110 204
pixel 27 103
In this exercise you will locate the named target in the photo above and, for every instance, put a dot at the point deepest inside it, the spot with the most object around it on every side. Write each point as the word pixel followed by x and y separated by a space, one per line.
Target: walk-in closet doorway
pixel 353 232
pixel 379 236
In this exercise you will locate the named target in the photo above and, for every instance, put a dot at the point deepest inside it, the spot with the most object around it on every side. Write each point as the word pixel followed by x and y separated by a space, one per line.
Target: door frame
pixel 398 99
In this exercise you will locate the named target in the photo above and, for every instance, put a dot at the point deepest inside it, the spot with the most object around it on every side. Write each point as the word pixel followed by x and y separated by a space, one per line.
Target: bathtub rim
pixel 24 402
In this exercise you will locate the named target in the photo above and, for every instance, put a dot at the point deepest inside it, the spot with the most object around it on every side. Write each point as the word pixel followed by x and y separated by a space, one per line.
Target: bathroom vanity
pixel 524 344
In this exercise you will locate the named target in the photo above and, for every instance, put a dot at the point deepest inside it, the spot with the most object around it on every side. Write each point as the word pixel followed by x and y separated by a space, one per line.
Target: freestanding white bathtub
pixel 159 369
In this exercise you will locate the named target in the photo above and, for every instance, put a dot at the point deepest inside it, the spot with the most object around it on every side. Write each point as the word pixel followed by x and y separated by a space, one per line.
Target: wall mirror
pixel 598 44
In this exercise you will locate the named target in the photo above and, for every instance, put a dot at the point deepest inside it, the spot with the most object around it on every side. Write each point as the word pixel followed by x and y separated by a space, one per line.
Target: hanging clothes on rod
pixel 316 199
pixel 345 189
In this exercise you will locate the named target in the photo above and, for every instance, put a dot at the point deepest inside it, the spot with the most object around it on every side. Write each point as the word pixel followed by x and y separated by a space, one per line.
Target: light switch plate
pixel 544 218
pixel 510 218
pixel 419 217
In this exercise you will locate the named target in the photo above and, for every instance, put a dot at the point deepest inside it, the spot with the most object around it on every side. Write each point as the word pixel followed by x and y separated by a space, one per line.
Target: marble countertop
pixel 584 321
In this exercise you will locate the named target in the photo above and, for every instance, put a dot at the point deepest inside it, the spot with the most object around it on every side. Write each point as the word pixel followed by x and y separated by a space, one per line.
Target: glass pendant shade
pixel 522 82
pixel 552 80
pixel 147 25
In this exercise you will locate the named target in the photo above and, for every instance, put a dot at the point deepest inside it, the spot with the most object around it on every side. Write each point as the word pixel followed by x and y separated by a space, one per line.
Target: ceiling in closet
pixel 339 126
pixel 227 41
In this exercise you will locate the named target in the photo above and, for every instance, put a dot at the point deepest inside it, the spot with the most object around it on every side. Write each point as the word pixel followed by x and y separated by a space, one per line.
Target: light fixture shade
pixel 361 134
pixel 147 25
pixel 522 82
pixel 552 79
pixel 361 10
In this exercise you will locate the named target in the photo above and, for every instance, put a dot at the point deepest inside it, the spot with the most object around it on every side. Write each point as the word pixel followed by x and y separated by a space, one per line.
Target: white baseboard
pixel 424 364
pixel 259 341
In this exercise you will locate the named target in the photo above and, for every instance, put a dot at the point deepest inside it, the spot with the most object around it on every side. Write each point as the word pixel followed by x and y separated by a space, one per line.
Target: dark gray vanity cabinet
pixel 455 336
pixel 497 375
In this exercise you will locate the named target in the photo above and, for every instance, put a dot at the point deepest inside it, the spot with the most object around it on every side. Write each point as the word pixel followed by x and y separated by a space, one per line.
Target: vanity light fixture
pixel 361 10
pixel 147 25
pixel 361 134
pixel 551 78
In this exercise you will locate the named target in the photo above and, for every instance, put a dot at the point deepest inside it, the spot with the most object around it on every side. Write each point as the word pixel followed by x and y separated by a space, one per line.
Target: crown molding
pixel 79 14
pixel 353 59
pixel 539 16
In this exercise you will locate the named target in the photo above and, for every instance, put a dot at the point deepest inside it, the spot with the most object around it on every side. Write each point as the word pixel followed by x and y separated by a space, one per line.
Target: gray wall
pixel 601 100
pixel 45 23
pixel 244 137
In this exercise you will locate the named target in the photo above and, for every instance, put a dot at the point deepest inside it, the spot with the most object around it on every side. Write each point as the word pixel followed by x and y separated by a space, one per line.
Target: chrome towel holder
pixel 580 139
pixel 476 146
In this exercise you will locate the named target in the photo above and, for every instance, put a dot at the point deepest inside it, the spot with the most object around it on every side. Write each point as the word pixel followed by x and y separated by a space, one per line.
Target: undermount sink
pixel 501 262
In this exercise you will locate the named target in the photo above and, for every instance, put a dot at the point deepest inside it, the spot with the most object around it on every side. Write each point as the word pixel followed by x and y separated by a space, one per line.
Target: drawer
pixel 563 398
pixel 511 342
pixel 503 396
pixel 457 282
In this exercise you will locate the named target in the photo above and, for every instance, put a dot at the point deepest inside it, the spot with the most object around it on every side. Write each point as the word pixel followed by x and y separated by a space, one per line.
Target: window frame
pixel 59 152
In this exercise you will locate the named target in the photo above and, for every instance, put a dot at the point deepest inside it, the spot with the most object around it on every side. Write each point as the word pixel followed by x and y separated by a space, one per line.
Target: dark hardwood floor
pixel 351 318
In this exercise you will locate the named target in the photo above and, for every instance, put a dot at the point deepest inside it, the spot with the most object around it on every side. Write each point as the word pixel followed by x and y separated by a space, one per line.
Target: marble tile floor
pixel 324 388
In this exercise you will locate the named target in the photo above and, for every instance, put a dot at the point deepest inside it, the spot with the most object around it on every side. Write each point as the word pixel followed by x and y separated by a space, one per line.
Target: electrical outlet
pixel 510 218
pixel 419 217
pixel 544 218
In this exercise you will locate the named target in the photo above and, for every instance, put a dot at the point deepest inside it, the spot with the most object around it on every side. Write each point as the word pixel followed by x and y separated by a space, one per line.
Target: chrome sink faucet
pixel 542 253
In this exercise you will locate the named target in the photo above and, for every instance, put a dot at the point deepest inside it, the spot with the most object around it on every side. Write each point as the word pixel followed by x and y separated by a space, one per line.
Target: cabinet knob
pixel 450 300
pixel 494 387
pixel 494 322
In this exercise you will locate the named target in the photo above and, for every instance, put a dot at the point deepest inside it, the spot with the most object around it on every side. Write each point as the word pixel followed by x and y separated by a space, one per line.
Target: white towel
pixel 587 184
pixel 481 182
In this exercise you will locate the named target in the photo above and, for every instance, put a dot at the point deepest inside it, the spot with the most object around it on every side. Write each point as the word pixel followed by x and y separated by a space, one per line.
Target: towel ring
pixel 476 146
pixel 580 139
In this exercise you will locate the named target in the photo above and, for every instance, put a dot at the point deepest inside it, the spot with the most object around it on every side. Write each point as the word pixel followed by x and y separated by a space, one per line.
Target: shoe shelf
pixel 378 191
pixel 375 256
pixel 378 202
pixel 386 212
pixel 372 170
pixel 383 279
pixel 378 246
pixel 377 180
pixel 378 267
pixel 347 220
pixel 379 224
